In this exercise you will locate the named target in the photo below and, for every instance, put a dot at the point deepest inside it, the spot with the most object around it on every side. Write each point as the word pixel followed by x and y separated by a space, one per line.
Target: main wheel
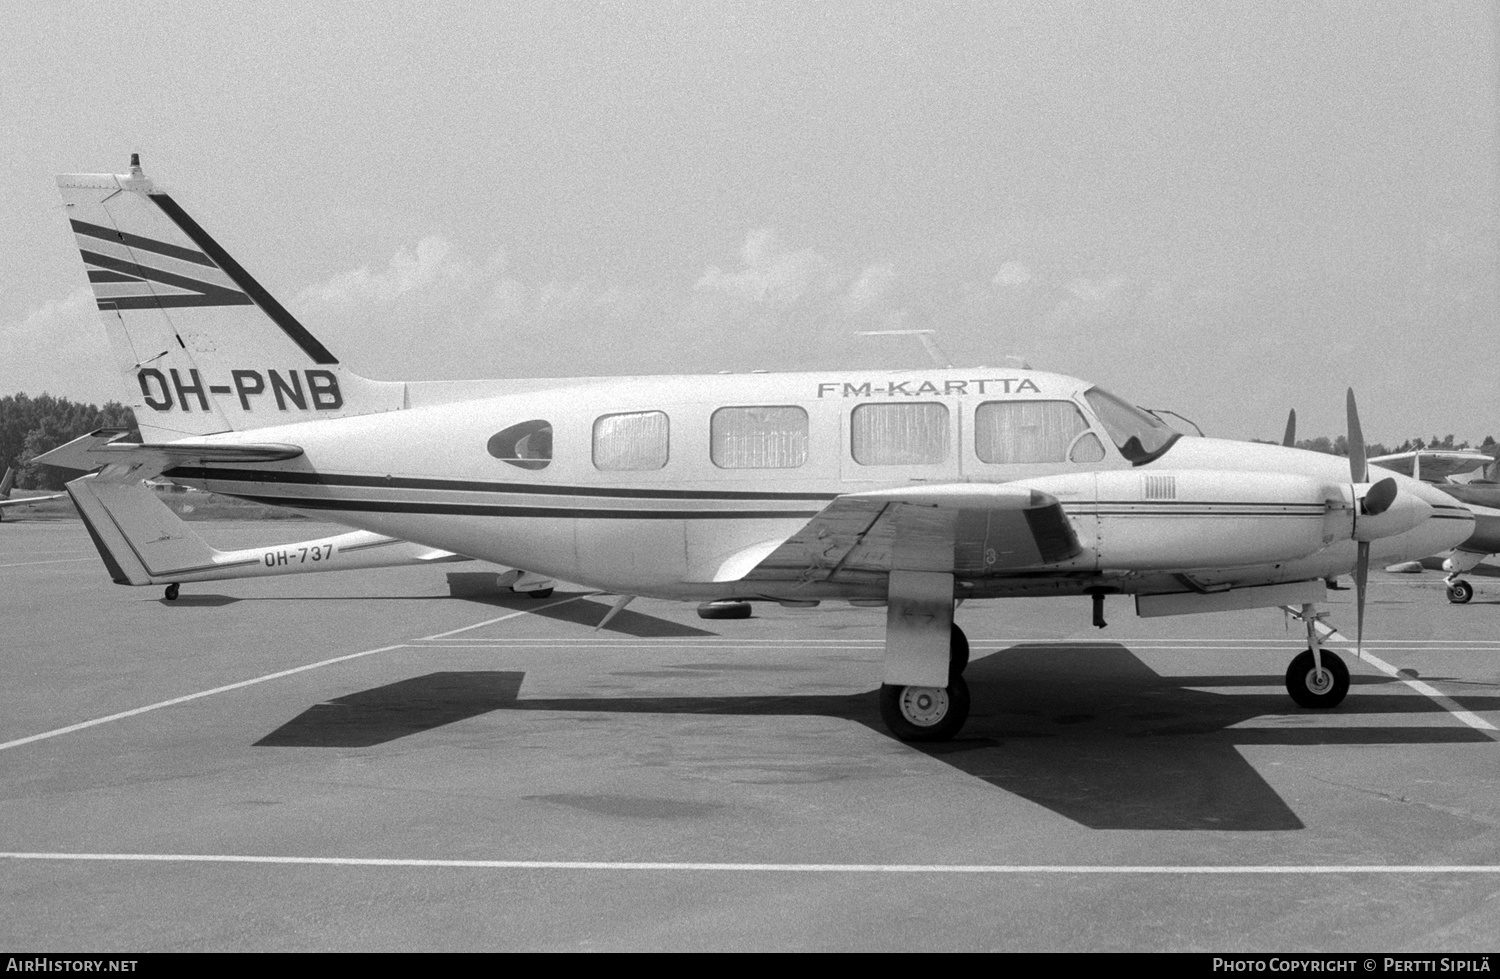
pixel 539 593
pixel 1309 688
pixel 1459 592
pixel 172 590
pixel 925 713
pixel 958 652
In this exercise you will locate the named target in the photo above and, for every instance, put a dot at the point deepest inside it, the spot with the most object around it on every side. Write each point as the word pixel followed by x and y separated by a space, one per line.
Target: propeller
pixel 1359 471
pixel 1377 500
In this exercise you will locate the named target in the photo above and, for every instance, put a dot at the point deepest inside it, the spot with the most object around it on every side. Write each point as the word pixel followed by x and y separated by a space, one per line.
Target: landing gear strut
pixel 930 713
pixel 1317 678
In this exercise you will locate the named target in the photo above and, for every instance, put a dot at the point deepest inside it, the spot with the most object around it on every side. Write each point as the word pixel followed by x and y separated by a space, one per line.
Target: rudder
pixel 203 347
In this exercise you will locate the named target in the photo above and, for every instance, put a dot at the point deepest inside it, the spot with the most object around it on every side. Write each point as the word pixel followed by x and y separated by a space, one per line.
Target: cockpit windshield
pixel 1140 437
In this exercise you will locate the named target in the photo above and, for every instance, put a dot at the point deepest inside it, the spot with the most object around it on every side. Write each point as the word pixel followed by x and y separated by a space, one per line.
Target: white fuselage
pixel 634 494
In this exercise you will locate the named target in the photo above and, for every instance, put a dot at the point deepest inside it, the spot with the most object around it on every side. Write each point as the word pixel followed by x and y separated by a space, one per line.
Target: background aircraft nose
pixel 1449 522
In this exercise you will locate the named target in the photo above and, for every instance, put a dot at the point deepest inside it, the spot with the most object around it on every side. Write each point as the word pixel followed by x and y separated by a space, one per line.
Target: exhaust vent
pixel 1159 487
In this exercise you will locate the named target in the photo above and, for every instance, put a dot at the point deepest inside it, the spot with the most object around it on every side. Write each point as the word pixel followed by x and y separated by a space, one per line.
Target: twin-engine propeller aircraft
pixel 913 490
pixel 7 483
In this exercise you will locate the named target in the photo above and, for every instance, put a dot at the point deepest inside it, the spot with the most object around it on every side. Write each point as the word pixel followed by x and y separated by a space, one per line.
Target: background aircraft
pixel 142 542
pixel 915 490
pixel 5 498
pixel 1477 488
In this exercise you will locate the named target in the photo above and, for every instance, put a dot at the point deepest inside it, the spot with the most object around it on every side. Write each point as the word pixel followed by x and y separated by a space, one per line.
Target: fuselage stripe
pixel 496 510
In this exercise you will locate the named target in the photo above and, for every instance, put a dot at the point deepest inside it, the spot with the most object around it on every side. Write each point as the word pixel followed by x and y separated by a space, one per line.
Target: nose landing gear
pixel 1317 678
pixel 1459 591
pixel 1314 687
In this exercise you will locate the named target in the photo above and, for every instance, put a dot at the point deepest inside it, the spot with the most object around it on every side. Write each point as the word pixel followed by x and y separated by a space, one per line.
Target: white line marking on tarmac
pixel 816 868
pixel 512 615
pixel 66 560
pixel 247 683
pixel 1427 690
pixel 193 696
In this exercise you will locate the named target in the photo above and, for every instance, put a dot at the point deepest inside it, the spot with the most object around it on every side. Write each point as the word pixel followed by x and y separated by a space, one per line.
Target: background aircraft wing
pixel 27 500
pixel 962 528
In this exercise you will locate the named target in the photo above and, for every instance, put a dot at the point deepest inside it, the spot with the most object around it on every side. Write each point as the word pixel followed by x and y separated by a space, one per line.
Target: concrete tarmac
pixel 399 760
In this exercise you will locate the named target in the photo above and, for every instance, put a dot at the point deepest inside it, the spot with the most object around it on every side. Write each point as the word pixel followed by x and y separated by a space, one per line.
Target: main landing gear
pixel 172 591
pixel 1317 678
pixel 930 713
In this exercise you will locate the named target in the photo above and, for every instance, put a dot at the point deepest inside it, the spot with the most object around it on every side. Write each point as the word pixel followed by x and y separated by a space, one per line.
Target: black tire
pixel 540 593
pixel 1305 687
pixel 1460 592
pixel 925 714
pixel 724 610
pixel 958 653
pixel 172 590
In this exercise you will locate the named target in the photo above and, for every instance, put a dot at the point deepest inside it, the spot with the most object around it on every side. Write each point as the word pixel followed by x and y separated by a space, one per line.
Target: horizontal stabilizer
pixel 142 542
pixel 104 448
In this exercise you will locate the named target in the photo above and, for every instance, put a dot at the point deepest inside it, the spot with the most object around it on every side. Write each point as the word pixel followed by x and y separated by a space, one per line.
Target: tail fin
pixel 202 346
pixel 8 482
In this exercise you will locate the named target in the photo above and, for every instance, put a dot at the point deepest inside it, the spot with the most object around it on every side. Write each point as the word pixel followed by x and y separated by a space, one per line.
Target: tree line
pixel 1340 445
pixel 31 426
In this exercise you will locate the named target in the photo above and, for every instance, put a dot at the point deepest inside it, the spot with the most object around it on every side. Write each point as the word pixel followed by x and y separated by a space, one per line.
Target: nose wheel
pixel 1317 688
pixel 924 714
pixel 1460 591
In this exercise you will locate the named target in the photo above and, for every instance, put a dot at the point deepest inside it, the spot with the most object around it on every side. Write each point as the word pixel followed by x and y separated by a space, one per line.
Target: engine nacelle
pixel 1190 519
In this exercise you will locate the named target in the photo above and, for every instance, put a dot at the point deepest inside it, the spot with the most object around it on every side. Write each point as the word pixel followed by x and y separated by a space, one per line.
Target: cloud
pixel 433 263
pixel 770 274
pixel 1012 274
pixel 871 290
pixel 60 348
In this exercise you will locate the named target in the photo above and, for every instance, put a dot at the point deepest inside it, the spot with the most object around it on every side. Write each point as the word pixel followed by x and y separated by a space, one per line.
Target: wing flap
pixel 967 529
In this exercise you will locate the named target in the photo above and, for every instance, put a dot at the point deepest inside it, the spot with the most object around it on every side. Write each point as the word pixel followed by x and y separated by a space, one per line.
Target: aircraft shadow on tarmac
pixel 1090 732
pixel 583 610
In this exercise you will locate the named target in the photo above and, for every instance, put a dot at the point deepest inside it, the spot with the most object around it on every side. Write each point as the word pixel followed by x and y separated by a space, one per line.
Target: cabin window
pixel 633 440
pixel 526 446
pixel 773 437
pixel 899 434
pixel 1027 431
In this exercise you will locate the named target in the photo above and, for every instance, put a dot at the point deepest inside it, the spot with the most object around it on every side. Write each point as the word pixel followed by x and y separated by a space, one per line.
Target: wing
pixel 967 529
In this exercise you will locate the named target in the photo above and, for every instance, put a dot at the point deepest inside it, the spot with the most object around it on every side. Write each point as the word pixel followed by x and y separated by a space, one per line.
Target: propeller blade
pixel 1379 498
pixel 1290 438
pixel 1359 470
pixel 1361 578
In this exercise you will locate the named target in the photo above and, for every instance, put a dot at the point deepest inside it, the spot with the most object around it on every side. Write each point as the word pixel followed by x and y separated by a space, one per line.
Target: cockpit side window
pixel 1027 431
pixel 527 445
pixel 1139 436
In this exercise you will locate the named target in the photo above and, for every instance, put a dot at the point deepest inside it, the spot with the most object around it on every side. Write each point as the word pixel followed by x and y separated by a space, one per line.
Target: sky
pixel 1223 209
